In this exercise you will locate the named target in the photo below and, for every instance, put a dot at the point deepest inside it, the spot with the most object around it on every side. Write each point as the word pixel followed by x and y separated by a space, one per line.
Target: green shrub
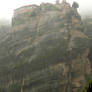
pixel 18 21
pixel 88 87
pixel 33 13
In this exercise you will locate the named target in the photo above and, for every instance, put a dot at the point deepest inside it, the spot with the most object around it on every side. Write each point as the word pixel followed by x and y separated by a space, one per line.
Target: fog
pixel 7 6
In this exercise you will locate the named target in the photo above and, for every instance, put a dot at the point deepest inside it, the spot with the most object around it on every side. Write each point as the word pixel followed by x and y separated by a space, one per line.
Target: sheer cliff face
pixel 49 51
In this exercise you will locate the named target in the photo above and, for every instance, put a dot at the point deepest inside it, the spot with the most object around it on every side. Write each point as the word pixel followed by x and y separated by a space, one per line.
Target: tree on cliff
pixel 75 5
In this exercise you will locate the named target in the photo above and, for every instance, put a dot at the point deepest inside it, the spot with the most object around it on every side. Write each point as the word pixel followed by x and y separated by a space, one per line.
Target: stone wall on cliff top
pixel 48 51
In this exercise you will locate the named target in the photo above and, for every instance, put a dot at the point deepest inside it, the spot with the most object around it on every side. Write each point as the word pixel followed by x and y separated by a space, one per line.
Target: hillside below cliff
pixel 46 52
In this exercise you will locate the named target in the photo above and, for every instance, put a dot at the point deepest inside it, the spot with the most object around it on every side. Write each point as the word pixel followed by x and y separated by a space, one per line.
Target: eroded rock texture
pixel 47 51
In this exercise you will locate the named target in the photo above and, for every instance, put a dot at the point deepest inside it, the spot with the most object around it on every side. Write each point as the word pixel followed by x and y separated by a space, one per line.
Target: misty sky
pixel 7 6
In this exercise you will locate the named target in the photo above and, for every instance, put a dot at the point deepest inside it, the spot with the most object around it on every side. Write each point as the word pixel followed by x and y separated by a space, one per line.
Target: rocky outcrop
pixel 48 51
pixel 88 31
